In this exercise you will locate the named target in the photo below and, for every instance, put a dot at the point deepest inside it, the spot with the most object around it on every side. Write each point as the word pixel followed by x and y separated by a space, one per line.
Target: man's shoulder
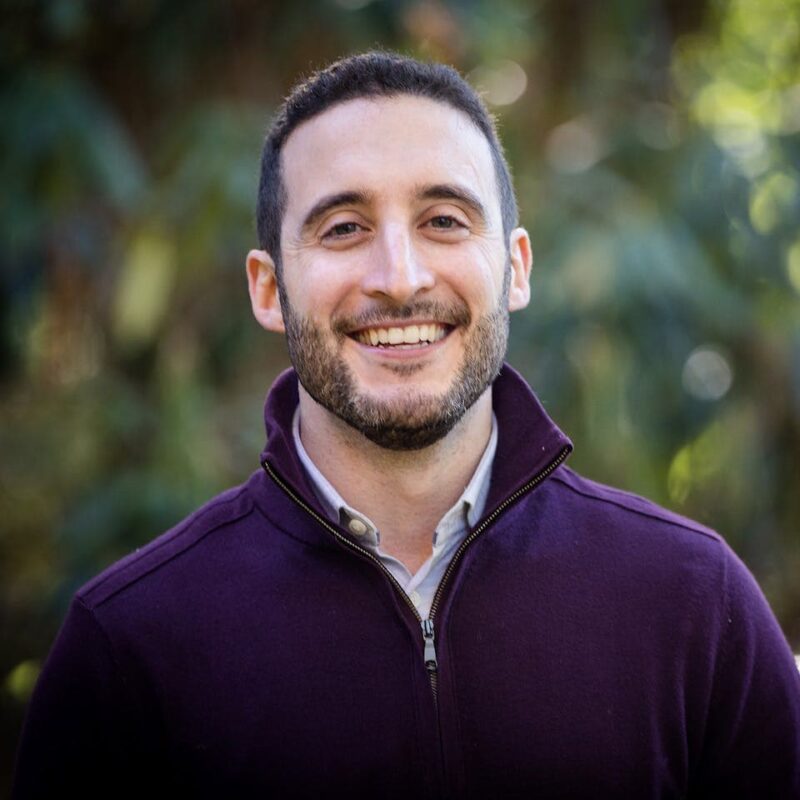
pixel 626 511
pixel 617 538
pixel 172 550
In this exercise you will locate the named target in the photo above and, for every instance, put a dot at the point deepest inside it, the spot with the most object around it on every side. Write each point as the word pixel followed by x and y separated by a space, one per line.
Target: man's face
pixel 396 281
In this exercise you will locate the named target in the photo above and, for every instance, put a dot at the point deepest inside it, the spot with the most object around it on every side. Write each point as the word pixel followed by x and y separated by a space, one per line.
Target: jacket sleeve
pixel 752 737
pixel 79 735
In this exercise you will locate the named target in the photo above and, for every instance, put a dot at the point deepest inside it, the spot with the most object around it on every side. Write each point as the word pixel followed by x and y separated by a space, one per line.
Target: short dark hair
pixel 371 74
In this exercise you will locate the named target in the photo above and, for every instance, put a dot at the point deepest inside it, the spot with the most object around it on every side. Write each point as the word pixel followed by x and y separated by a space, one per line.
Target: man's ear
pixel 521 257
pixel 262 281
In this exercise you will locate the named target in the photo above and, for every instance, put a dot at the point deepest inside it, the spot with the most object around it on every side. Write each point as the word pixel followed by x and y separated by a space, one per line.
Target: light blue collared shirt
pixel 450 532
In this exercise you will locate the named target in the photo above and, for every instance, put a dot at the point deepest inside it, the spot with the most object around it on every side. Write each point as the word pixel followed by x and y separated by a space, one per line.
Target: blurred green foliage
pixel 657 160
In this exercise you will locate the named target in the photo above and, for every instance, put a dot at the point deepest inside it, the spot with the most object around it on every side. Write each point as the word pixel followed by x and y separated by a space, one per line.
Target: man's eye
pixel 445 223
pixel 342 229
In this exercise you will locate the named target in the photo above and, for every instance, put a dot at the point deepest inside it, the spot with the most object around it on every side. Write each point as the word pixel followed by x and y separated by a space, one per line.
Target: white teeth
pixel 412 334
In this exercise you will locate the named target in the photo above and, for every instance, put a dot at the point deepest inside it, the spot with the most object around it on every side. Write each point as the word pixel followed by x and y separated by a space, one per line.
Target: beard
pixel 416 419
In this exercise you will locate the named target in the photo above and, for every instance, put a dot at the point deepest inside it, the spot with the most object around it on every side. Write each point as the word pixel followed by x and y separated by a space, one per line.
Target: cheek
pixel 476 272
pixel 317 288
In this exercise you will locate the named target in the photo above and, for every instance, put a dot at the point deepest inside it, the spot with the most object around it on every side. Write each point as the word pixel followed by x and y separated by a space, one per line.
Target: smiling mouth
pixel 402 336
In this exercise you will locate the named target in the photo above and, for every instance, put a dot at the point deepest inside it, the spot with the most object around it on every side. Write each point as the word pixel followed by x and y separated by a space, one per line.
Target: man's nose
pixel 396 269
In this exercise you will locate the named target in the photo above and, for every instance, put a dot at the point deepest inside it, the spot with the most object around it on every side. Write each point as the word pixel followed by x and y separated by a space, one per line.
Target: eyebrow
pixel 436 191
pixel 325 204
pixel 451 191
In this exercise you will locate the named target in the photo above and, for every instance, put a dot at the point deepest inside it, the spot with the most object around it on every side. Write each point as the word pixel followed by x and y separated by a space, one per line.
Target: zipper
pixel 339 536
pixel 428 630
pixel 429 654
pixel 512 498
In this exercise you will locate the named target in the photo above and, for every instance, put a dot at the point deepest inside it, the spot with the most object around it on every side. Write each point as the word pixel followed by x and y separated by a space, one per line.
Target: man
pixel 414 597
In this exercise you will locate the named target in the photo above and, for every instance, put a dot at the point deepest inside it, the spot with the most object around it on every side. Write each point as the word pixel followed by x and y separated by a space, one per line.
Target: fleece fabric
pixel 588 644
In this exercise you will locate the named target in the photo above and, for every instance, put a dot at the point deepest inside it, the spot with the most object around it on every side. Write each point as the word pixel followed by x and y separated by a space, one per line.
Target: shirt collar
pixel 466 511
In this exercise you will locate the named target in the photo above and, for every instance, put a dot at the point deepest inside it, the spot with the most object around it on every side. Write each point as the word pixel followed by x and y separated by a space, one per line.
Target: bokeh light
pixel 501 83
pixel 707 374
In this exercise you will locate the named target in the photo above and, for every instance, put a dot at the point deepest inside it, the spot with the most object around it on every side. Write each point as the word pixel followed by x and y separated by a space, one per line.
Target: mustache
pixel 385 312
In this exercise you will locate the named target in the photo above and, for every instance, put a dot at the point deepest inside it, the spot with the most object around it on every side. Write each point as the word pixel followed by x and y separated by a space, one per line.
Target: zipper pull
pixel 430 649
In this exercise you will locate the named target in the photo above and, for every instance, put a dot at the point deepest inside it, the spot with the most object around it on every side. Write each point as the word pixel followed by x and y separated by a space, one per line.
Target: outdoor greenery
pixel 656 154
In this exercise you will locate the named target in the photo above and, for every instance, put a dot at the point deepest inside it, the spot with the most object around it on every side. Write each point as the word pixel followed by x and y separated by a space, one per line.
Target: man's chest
pixel 294 689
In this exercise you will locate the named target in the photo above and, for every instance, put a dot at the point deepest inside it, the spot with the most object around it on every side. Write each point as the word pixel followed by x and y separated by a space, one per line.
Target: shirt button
pixel 415 598
pixel 357 527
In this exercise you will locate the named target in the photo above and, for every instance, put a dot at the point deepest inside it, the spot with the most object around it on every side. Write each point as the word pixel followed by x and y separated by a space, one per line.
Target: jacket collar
pixel 529 441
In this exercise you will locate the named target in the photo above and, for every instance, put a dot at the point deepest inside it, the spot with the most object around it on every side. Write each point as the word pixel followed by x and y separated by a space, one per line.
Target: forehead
pixel 387 147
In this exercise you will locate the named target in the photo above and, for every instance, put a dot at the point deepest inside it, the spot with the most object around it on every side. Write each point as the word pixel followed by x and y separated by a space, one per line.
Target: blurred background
pixel 656 150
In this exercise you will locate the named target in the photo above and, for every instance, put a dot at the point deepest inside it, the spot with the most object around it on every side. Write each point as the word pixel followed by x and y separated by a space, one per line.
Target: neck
pixel 405 493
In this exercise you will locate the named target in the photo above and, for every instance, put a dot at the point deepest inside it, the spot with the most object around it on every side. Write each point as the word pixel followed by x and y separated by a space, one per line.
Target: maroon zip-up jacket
pixel 585 643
